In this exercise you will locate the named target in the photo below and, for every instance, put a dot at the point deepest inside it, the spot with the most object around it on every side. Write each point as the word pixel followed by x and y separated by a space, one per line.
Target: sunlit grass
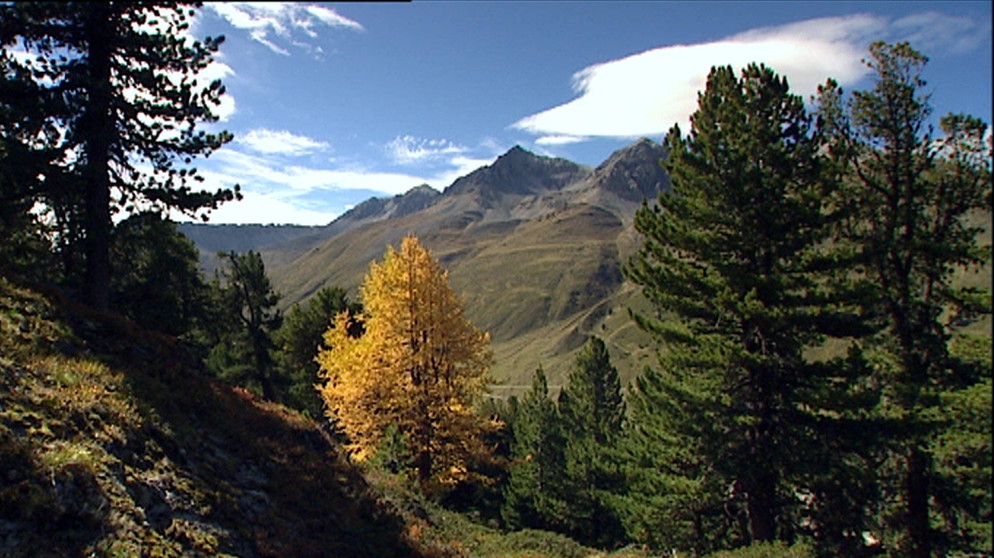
pixel 61 454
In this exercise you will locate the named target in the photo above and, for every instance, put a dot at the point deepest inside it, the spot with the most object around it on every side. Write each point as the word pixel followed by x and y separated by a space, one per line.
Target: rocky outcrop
pixel 634 172
pixel 521 173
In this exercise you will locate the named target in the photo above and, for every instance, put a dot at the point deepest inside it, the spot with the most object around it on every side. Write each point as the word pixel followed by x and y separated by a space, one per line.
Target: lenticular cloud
pixel 646 93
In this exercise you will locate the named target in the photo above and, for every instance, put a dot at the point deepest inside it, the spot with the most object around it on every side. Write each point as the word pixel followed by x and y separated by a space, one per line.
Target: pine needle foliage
pixel 118 98
pixel 592 412
pixel 533 495
pixel 910 198
pixel 734 261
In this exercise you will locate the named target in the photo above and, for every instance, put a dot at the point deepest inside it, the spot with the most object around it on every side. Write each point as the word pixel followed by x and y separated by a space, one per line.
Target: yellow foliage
pixel 419 365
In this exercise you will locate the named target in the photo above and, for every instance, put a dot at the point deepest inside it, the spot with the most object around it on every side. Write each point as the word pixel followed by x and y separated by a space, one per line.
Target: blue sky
pixel 331 104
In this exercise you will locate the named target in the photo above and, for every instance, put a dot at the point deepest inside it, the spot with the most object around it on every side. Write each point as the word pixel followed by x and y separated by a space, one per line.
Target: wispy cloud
pixel 559 140
pixel 268 208
pixel 616 99
pixel 280 25
pixel 280 142
pixel 277 192
pixel 409 150
pixel 935 32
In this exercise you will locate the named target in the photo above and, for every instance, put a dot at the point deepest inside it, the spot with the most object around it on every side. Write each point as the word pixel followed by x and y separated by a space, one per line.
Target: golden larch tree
pixel 419 365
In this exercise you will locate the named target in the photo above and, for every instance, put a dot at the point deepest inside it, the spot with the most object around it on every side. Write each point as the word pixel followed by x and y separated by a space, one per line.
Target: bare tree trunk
pixel 98 131
pixel 916 489
pixel 761 503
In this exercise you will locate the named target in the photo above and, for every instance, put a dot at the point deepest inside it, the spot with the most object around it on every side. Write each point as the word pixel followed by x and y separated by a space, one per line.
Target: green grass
pixel 767 550
pixel 438 532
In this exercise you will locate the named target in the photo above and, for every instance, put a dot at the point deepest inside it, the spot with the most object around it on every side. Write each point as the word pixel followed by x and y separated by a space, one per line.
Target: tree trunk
pixel 917 487
pixel 98 130
pixel 425 459
pixel 262 370
pixel 761 502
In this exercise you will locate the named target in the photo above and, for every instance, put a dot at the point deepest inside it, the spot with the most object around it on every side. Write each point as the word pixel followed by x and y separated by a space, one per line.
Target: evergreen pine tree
pixel 158 285
pixel 298 341
pixel 592 412
pixel 119 80
pixel 910 198
pixel 733 260
pixel 248 318
pixel 28 155
pixel 534 484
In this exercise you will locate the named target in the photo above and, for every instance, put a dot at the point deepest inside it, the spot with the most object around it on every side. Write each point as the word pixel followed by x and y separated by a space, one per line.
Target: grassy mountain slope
pixel 112 444
pixel 211 239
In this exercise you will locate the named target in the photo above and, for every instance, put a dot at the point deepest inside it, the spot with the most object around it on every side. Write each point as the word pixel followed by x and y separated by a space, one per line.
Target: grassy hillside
pixel 539 286
pixel 211 239
pixel 980 278
pixel 113 444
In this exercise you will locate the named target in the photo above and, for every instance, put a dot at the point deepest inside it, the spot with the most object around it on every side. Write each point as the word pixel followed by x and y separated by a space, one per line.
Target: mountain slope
pixel 535 243
pixel 211 239
pixel 114 444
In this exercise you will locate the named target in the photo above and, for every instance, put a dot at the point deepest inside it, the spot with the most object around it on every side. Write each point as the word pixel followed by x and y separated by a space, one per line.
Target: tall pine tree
pixel 117 84
pixel 732 260
pixel 248 318
pixel 911 196
pixel 532 496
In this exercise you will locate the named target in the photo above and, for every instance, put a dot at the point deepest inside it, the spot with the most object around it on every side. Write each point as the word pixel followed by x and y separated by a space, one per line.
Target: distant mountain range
pixel 536 245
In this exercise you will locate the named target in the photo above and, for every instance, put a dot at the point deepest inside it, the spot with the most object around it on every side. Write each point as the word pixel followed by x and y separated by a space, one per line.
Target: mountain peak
pixel 635 171
pixel 378 209
pixel 420 189
pixel 519 171
pixel 516 152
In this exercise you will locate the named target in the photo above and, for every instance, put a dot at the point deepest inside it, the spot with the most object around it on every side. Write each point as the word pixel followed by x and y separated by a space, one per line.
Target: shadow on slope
pixel 112 443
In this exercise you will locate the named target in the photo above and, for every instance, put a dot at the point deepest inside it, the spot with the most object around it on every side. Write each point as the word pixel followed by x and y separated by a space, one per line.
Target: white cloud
pixel 267 174
pixel 265 209
pixel 933 32
pixel 559 140
pixel 408 150
pixel 274 23
pixel 332 18
pixel 280 142
pixel 646 93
